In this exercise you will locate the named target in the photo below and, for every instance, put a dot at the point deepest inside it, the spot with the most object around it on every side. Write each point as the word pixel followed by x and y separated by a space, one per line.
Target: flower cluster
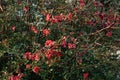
pixel 58 18
pixel 70 45
pixel 52 50
pixel 16 77
pixel 30 56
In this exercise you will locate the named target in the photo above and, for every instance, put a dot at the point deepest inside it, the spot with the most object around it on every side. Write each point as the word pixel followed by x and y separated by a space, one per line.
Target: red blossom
pixel 97 13
pixel 26 8
pixel 27 55
pixel 65 37
pixel 36 69
pixel 28 66
pixel 64 43
pixel 49 54
pixel 18 77
pixel 101 5
pixel 102 16
pixel 32 57
pixel 69 16
pixel 95 3
pixel 108 23
pixel 54 20
pixel 109 34
pixel 13 78
pixel 82 4
pixel 59 54
pixel 85 75
pixel 21 75
pixel 71 46
pixel 74 39
pixel 59 18
pixel 37 57
pixel 90 23
pixel 13 28
pixel 49 43
pixel 117 19
pixel 48 17
pixel 46 32
pixel 34 29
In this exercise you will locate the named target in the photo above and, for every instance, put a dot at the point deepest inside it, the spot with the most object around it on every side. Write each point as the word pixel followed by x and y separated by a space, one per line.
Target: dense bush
pixel 59 40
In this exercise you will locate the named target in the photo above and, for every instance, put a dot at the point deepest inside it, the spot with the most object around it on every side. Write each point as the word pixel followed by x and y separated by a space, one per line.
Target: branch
pixel 102 29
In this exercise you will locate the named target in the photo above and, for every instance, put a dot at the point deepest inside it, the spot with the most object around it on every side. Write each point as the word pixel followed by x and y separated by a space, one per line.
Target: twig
pixel 101 29
pixel 1 6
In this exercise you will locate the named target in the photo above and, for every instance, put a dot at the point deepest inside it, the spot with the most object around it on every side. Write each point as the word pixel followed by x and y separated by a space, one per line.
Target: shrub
pixel 59 40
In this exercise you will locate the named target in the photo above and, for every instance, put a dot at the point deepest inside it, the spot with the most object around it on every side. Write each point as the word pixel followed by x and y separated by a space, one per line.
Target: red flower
pixel 71 46
pixel 37 57
pixel 36 69
pixel 101 5
pixel 109 34
pixel 35 31
pixel 46 32
pixel 54 20
pixel 26 8
pixel 21 75
pixel 102 16
pixel 59 54
pixel 33 28
pixel 97 13
pixel 95 3
pixel 49 53
pixel 27 55
pixel 49 43
pixel 59 18
pixel 74 39
pixel 28 66
pixel 82 3
pixel 48 17
pixel 64 43
pixel 48 56
pixel 12 77
pixel 85 75
pixel 13 28
pixel 90 23
pixel 32 57
pixel 69 16
pixel 16 77
pixel 108 23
